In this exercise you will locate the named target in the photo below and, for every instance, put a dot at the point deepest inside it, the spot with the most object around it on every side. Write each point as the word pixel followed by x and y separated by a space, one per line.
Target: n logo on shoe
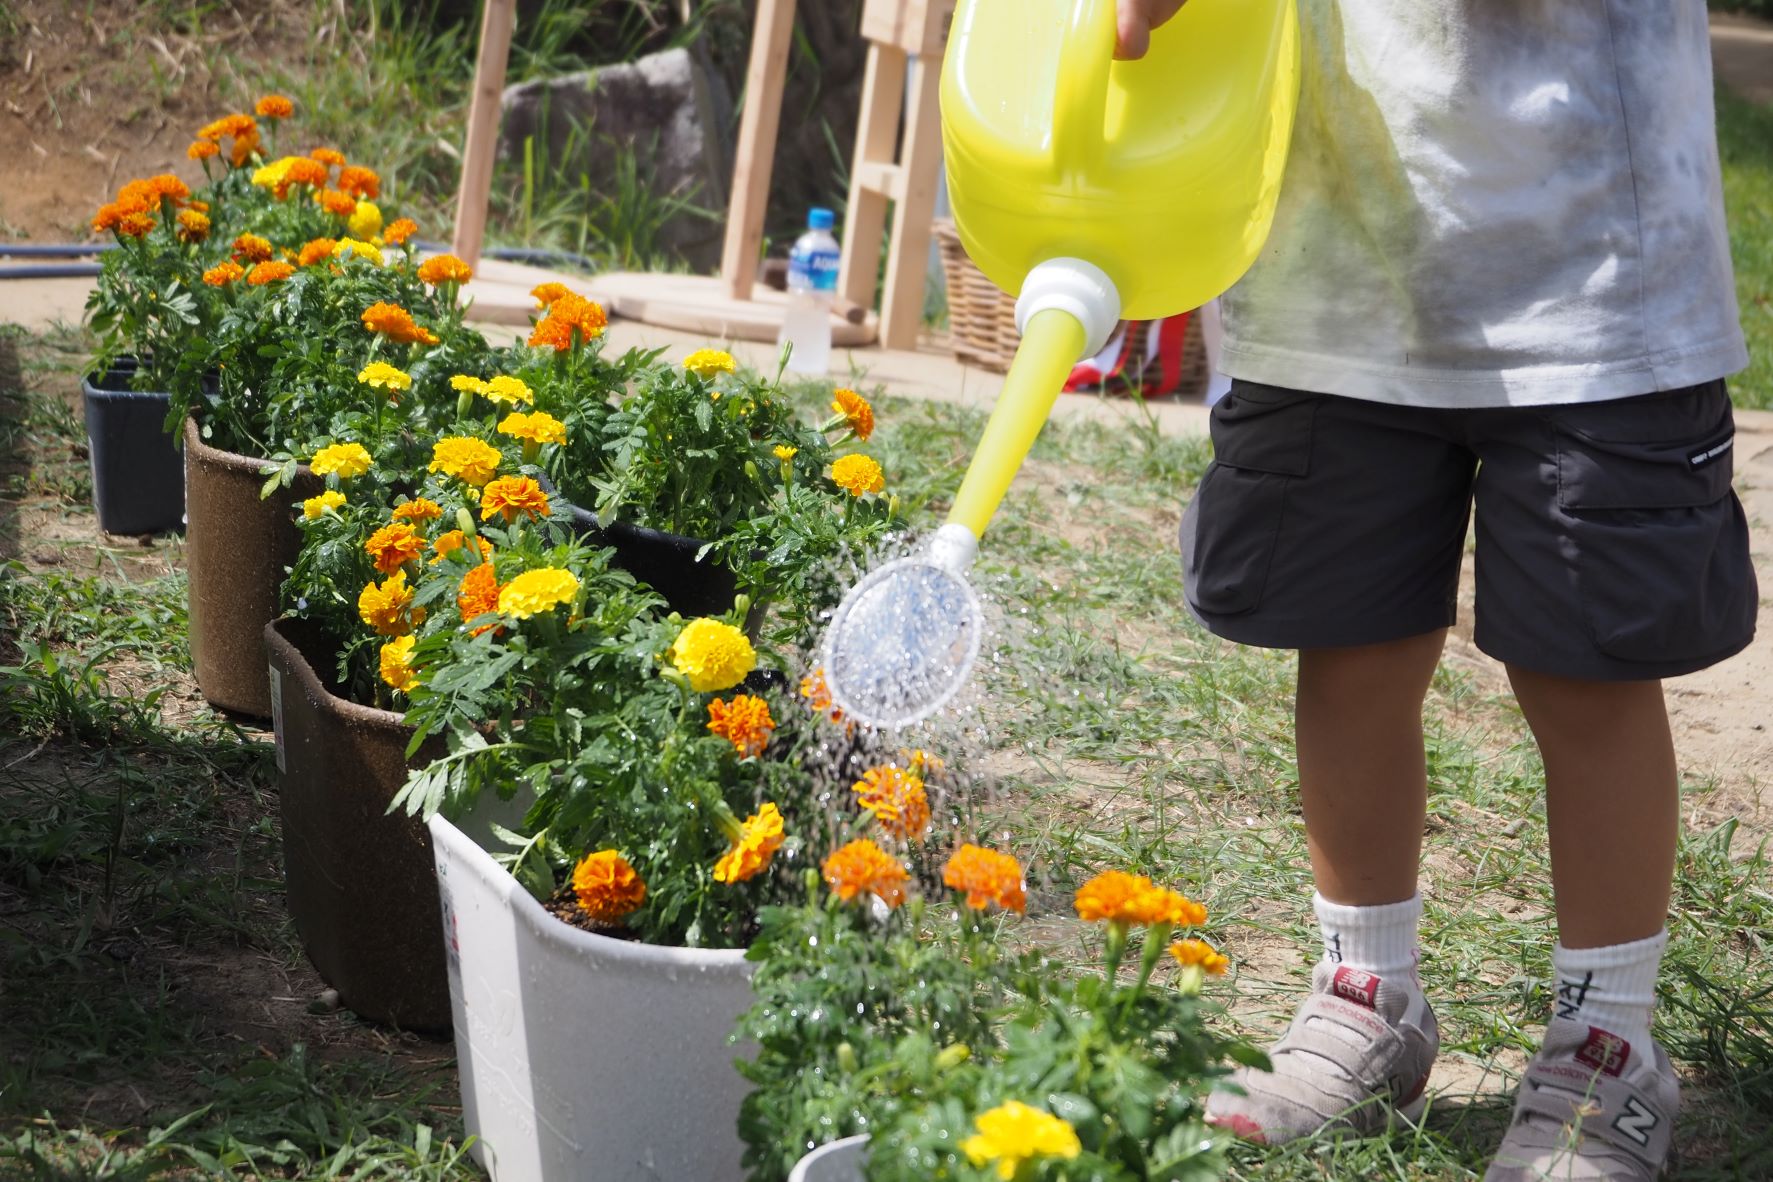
pixel 1604 1051
pixel 1356 986
pixel 1636 1122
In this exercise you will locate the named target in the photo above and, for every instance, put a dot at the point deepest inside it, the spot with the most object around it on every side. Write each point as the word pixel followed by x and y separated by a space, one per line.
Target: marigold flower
pixel 339 205
pixel 857 475
pixel 709 363
pixel 863 868
pixel 273 271
pixel 360 182
pixel 199 206
pixel 110 216
pixel 448 543
pixel 854 408
pixel 536 591
pixel 388 608
pixel 419 509
pixel 540 427
pixel 569 318
pixel 478 594
pixel 1118 897
pixel 223 273
pixel 1192 953
pixel 507 389
pixel 511 497
pixel 316 506
pixel 896 799
pixel 202 150
pixel 547 293
pixel 464 383
pixel 135 225
pixel 396 664
pixel 274 106
pixel 164 187
pixel 1013 1133
pixel 467 459
pixel 331 157
pixel 361 249
pixel 444 268
pixel 229 127
pixel 760 836
pixel 607 887
pixel 365 220
pixel 193 226
pixel 282 175
pixel 396 323
pixel 712 655
pixel 348 460
pixel 784 452
pixel 245 147
pixel 744 722
pixel 393 546
pixel 317 250
pixel 817 693
pixel 383 376
pixel 988 878
pixel 250 248
pixel 399 230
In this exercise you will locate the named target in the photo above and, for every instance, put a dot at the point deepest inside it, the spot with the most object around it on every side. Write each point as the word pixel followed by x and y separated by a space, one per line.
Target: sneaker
pixel 1592 1108
pixel 1359 1049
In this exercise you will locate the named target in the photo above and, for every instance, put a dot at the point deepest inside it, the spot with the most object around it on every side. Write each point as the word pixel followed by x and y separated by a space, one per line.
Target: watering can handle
pixel 1080 93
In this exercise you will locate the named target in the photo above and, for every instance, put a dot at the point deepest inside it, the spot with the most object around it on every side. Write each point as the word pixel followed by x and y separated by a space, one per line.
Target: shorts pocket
pixel 1661 544
pixel 1262 447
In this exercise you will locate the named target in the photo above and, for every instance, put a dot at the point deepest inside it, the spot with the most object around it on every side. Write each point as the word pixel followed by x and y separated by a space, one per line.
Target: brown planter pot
pixel 362 884
pixel 238 549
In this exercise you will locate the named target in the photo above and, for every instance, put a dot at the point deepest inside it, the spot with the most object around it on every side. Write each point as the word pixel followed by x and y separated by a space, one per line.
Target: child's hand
pixel 1137 19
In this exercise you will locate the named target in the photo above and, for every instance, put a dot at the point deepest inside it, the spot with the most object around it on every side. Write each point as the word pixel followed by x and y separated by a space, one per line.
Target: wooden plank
pixel 877 139
pixel 901 305
pixel 482 141
pixel 917 27
pixel 754 156
pixel 700 304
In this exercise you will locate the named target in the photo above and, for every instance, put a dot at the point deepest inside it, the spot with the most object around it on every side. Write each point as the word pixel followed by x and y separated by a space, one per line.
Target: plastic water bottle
pixel 812 285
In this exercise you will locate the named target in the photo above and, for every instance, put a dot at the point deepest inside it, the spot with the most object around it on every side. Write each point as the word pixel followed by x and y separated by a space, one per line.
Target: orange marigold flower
pixel 448 543
pixel 135 225
pixel 855 410
pixel 328 156
pixel 1199 954
pixel 193 226
pixel 418 509
pixel 302 171
pixel 988 878
pixel 863 868
pixel 393 546
pixel 744 722
pixel 223 273
pixel 478 595
pixel 243 150
pixel 399 230
pixel 896 799
pixel 149 192
pixel 360 182
pixel 274 106
pixel 316 250
pixel 388 608
pixel 818 695
pixel 202 150
pixel 444 268
pixel 269 272
pixel 570 318
pixel 199 206
pixel 1118 897
pixel 607 887
pixel 250 248
pixel 396 323
pixel 229 127
pixel 110 216
pixel 547 293
pixel 760 836
pixel 340 205
pixel 511 497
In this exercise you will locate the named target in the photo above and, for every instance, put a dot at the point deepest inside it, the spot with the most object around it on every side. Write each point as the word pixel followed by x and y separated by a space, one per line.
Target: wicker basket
pixel 982 318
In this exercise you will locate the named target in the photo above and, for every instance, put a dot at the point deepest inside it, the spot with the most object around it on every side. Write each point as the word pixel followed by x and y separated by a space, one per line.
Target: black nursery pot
pixel 665 562
pixel 138 475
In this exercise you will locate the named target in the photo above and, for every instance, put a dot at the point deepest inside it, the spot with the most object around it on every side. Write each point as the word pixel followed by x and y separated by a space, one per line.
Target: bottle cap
pixel 820 219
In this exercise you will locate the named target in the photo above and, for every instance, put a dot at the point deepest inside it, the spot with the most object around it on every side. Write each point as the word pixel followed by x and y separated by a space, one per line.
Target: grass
pixel 1745 143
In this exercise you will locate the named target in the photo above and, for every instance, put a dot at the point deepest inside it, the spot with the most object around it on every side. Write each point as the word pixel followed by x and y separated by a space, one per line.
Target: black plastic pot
pixel 138 475
pixel 665 562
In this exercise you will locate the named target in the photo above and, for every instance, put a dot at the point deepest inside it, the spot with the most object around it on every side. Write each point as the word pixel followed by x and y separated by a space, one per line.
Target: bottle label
pixel 813 269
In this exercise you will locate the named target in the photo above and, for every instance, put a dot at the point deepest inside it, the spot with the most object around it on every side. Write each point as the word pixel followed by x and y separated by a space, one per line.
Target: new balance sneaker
pixel 1359 1049
pixel 1592 1108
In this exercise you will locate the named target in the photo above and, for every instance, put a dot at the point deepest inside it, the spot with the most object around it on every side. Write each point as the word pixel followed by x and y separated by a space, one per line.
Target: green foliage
pixel 1745 144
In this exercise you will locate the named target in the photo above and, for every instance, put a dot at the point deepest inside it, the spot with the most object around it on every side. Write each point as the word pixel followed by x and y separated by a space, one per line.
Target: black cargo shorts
pixel 1610 544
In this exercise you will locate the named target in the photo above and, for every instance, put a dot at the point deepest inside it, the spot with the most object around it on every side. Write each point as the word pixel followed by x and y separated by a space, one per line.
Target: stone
pixel 667 114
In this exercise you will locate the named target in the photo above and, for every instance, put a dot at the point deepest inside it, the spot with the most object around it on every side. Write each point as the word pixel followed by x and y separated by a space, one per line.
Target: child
pixel 1498 274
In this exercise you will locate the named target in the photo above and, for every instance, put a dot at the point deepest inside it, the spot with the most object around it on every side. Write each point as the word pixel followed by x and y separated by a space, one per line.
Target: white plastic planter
pixel 840 1161
pixel 583 1058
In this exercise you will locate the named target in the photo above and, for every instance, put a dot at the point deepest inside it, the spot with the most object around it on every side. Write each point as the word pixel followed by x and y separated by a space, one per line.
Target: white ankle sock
pixel 1613 988
pixel 1379 940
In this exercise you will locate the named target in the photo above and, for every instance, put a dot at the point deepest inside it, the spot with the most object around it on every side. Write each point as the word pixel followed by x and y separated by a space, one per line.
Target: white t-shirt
pixel 1495 202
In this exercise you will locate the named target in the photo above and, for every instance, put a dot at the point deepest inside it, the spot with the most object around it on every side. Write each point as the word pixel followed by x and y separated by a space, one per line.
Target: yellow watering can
pixel 1096 190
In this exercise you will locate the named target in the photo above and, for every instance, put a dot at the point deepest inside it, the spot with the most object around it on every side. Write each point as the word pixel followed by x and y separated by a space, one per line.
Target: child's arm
pixel 1137 19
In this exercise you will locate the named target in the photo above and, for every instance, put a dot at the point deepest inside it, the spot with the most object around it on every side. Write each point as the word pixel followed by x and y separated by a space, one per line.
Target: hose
pixel 54 250
pixel 52 271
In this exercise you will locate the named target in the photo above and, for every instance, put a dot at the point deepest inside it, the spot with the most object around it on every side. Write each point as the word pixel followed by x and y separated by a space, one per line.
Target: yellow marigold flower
pixel 274 106
pixel 536 591
pixel 467 384
pixel 396 663
pixel 395 323
pixel 448 543
pixel 1118 897
pixel 988 878
pixel 863 868
pixel 744 722
pixel 444 268
pixel 785 453
pixel 467 459
pixel 818 695
pixel 857 475
pixel 223 273
pixel 709 363
pixel 315 506
pixel 547 293
pixel 348 460
pixel 1199 954
pixel 356 246
pixel 360 182
pixel 393 546
pixel 202 150
pixel 760 836
pixel 854 408
pixel 607 887
pixel 569 318
pixel 328 156
pixel 339 205
pixel 399 230
pixel 251 248
pixel 387 606
pixel 540 427
pixel 712 655
pixel 479 594
pixel 512 497
pixel 419 509
pixel 193 226
pixel 384 376
pixel 274 271
pixel 317 250
pixel 505 389
pixel 896 799
pixel 1013 1133
pixel 365 220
